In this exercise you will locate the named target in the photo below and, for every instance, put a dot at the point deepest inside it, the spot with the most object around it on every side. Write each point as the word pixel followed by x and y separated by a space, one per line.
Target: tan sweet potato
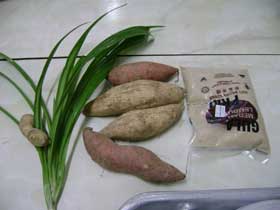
pixel 142 124
pixel 141 70
pixel 138 94
pixel 133 160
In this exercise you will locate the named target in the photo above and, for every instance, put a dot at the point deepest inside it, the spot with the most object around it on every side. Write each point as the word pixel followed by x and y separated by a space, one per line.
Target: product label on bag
pixel 226 107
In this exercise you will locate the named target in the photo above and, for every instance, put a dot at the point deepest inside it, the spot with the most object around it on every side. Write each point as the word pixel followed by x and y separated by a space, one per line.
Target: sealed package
pixel 223 110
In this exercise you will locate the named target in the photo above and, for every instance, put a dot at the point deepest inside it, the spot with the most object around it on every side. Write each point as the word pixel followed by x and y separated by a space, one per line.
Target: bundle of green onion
pixel 74 89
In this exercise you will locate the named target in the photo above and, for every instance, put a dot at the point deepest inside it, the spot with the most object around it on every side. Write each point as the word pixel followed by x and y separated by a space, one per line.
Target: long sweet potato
pixel 142 124
pixel 133 160
pixel 141 70
pixel 138 94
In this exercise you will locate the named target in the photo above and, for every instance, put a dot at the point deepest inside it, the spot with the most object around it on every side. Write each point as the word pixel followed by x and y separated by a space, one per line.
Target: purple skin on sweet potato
pixel 141 70
pixel 133 160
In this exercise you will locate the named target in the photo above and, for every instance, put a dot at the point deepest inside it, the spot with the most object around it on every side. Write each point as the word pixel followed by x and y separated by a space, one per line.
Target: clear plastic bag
pixel 224 113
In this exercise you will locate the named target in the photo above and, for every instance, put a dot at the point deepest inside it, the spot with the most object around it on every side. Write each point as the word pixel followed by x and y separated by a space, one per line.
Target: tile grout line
pixel 157 55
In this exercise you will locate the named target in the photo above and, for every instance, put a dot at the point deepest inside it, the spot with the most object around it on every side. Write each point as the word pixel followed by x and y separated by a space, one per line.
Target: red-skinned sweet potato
pixel 141 70
pixel 133 160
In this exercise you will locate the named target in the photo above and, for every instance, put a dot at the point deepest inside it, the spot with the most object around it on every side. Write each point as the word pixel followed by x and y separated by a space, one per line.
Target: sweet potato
pixel 133 160
pixel 142 124
pixel 141 70
pixel 35 136
pixel 138 94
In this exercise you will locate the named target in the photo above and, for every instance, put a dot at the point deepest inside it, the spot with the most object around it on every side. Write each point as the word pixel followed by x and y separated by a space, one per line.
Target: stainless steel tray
pixel 200 200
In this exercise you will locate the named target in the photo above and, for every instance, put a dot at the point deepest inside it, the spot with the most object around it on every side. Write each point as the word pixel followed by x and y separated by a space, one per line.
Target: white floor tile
pixel 31 28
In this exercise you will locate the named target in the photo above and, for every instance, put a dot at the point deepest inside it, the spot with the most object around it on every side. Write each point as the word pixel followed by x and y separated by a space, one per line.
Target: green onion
pixel 74 89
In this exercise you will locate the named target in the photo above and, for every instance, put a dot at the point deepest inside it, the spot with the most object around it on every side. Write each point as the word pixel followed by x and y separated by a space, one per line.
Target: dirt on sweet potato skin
pixel 139 71
pixel 138 94
pixel 143 124
pixel 132 160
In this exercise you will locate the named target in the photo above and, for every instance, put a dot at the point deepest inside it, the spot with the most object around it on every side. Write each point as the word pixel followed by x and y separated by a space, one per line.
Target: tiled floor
pixel 201 27
pixel 30 28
